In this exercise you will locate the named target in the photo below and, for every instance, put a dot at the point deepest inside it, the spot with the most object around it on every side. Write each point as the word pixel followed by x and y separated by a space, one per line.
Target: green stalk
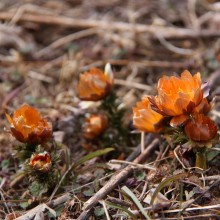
pixel 201 158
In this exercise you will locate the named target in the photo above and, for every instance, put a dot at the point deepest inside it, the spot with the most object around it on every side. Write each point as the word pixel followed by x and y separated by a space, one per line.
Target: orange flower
pixel 203 108
pixel 41 162
pixel 28 126
pixel 178 96
pixel 95 85
pixel 146 119
pixel 200 128
pixel 94 126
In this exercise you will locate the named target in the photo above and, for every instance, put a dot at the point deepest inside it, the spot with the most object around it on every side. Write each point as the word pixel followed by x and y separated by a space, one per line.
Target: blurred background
pixel 44 45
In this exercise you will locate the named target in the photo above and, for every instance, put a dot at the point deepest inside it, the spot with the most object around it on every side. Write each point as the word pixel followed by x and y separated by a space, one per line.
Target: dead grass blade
pixel 124 209
pixel 136 201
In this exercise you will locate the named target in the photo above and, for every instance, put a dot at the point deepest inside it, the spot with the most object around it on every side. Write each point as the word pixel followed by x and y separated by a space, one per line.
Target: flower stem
pixel 201 159
pixel 142 141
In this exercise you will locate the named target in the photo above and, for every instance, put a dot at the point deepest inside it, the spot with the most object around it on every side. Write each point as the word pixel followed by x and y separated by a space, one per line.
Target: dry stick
pixel 173 48
pixel 140 166
pixel 149 138
pixel 64 40
pixel 204 192
pixel 106 210
pixel 2 195
pixel 114 181
pixel 214 78
pixel 142 141
pixel 140 63
pixel 214 177
pixel 132 84
pixel 9 97
pixel 166 32
pixel 60 200
pixel 204 216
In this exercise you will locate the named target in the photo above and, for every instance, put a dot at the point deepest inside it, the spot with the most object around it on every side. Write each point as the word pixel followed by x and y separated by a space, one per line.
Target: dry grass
pixel 45 45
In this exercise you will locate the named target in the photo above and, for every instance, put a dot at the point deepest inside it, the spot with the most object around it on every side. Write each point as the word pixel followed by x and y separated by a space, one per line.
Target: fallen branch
pixel 114 181
pixel 165 32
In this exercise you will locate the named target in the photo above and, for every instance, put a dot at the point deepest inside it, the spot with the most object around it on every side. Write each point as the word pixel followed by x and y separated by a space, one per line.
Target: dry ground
pixel 46 44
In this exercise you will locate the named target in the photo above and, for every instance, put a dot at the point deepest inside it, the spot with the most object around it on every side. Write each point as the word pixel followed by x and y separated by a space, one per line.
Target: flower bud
pixel 41 162
pixel 94 126
pixel 200 128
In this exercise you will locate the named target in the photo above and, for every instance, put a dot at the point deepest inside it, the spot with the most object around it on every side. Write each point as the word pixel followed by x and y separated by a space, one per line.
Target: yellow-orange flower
pixel 146 119
pixel 95 84
pixel 200 128
pixel 28 126
pixel 41 162
pixel 94 126
pixel 178 96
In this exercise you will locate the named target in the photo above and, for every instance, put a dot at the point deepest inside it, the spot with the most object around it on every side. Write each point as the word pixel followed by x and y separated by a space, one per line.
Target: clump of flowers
pixel 105 124
pixel 182 106
pixel 34 132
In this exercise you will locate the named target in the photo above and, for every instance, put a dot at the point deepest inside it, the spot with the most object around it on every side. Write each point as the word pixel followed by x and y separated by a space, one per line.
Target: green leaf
pixel 136 201
pixel 24 205
pixel 99 211
pixel 211 154
pixel 89 192
pixel 4 164
pixel 58 211
pixel 37 189
pixel 112 205
pixel 140 175
pixel 93 155
pixel 76 188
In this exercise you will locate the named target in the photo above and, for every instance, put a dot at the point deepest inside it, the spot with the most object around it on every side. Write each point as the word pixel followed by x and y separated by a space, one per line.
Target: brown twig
pixel 139 63
pixel 214 78
pixel 114 181
pixel 64 40
pixel 198 197
pixel 9 97
pixel 60 200
pixel 166 32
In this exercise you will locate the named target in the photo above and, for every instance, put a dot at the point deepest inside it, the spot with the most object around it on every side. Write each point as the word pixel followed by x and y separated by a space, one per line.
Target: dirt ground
pixel 46 44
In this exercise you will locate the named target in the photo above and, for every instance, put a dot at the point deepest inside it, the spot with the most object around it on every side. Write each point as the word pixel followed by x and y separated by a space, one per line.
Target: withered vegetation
pixel 113 174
